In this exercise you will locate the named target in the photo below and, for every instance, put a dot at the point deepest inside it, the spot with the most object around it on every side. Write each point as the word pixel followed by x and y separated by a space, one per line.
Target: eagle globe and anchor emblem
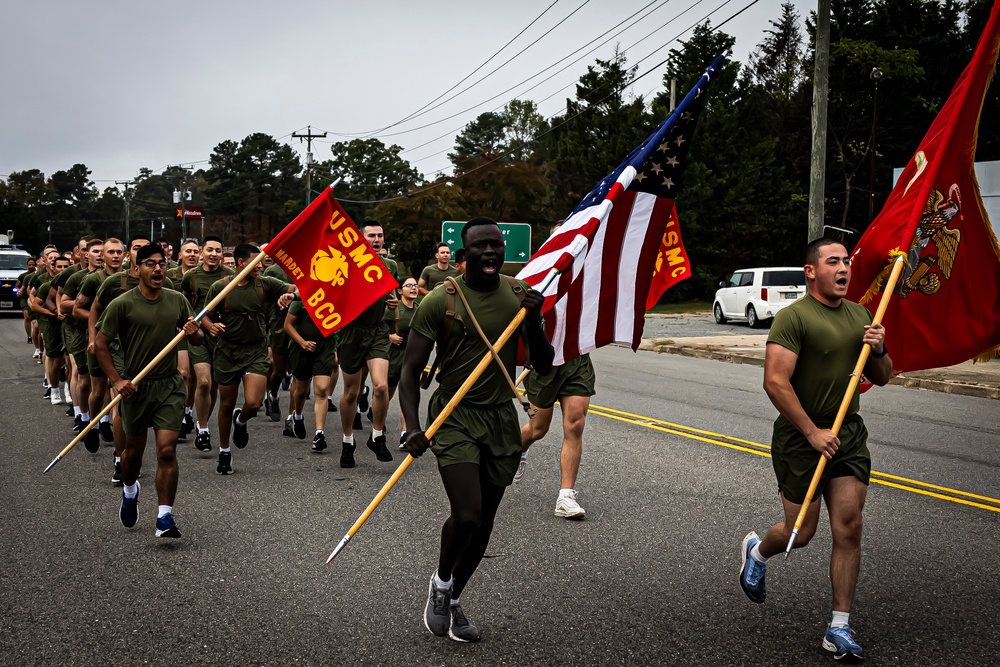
pixel 329 266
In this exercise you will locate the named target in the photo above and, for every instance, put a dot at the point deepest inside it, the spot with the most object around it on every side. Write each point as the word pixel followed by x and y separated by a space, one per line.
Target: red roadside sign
pixel 189 212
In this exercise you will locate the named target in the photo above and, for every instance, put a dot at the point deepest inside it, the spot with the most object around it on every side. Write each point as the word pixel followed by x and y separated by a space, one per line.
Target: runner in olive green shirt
pixel 311 356
pixel 22 295
pixel 49 323
pixel 145 320
pixel 195 286
pixel 812 349
pixel 279 349
pixel 479 444
pixel 238 326
pixel 399 331
pixel 364 345
pixel 435 274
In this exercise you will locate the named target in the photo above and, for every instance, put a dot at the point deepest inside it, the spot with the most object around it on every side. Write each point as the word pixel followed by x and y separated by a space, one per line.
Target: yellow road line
pixel 761 449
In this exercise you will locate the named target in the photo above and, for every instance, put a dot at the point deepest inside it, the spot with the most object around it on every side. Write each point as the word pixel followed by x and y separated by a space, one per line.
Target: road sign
pixel 517 236
pixel 190 212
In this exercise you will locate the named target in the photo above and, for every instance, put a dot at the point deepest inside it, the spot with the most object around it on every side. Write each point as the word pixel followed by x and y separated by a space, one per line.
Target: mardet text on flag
pixel 946 308
pixel 624 219
pixel 338 274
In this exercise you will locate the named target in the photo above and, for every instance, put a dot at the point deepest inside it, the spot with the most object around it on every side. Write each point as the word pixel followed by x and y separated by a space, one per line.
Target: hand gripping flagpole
pixel 890 285
pixel 564 262
pixel 159 357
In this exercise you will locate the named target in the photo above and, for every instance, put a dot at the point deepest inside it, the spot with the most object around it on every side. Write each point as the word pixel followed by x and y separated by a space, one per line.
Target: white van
pixel 756 295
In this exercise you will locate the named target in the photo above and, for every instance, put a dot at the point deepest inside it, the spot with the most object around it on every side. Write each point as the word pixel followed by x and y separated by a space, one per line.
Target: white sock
pixel 840 619
pixel 131 490
pixel 200 429
pixel 85 416
pixel 105 419
pixel 565 493
pixel 76 410
pixel 188 411
pixel 298 416
pixel 455 602
pixel 239 421
pixel 441 583
pixel 319 432
pixel 524 456
pixel 376 434
pixel 164 510
pixel 348 439
pixel 223 451
pixel 118 459
pixel 756 555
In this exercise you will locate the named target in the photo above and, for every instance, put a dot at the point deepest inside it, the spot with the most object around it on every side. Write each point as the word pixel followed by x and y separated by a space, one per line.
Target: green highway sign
pixel 517 236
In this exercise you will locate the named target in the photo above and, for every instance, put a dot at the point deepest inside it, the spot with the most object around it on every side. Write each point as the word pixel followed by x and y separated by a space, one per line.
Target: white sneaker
pixel 568 507
pixel 37 354
pixel 66 397
pixel 56 397
pixel 520 471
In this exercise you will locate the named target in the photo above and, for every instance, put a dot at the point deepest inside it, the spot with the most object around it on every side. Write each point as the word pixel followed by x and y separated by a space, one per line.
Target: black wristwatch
pixel 885 351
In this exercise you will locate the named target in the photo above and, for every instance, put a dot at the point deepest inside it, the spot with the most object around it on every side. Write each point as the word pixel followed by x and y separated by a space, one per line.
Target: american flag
pixel 602 299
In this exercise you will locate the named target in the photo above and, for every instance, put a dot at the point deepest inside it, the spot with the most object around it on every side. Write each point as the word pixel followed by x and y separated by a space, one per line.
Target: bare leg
pixel 166 467
pixel 777 537
pixel 321 389
pixel 228 393
pixel 845 498
pixel 379 371
pixel 537 426
pixel 203 398
pixel 349 401
pixel 574 415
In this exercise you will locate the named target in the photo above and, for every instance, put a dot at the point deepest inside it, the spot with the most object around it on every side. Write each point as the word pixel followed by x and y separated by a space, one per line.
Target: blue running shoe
pixel 751 572
pixel 840 641
pixel 128 513
pixel 165 526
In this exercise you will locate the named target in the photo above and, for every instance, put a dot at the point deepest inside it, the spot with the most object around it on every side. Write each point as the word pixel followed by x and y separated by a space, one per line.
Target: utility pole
pixel 128 199
pixel 821 89
pixel 876 76
pixel 308 136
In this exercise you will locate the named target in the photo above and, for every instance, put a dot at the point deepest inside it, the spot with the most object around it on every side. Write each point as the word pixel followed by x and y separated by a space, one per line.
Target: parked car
pixel 13 262
pixel 756 295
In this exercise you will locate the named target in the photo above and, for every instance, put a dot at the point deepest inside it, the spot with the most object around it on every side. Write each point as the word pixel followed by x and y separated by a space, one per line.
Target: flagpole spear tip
pixel 791 541
pixel 334 184
pixel 54 461
pixel 340 547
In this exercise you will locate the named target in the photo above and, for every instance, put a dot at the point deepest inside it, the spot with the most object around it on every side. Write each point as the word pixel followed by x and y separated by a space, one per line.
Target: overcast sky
pixel 122 85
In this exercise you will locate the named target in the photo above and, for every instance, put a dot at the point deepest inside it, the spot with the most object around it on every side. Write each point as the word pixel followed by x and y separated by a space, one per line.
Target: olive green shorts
pixel 396 354
pixel 116 356
pixel 358 345
pixel 158 404
pixel 231 363
pixel 321 361
pixel 574 378
pixel 51 336
pixel 795 460
pixel 490 437
pixel 280 343
pixel 75 342
pixel 200 354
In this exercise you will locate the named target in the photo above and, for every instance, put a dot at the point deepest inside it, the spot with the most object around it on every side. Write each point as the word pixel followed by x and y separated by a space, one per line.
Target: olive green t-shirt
pixel 144 327
pixel 60 280
pixel 243 312
pixel 72 290
pixel 176 273
pixel 433 276
pixel 91 284
pixel 275 315
pixel 828 342
pixel 464 348
pixel 405 317
pixel 373 314
pixel 198 281
pixel 304 323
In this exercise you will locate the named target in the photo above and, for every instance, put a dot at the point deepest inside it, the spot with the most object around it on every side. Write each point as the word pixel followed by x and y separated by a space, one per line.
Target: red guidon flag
pixel 626 225
pixel 946 308
pixel 672 263
pixel 338 274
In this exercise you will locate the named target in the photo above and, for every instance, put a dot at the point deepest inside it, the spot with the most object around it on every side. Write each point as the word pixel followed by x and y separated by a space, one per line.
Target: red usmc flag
pixel 338 274
pixel 947 306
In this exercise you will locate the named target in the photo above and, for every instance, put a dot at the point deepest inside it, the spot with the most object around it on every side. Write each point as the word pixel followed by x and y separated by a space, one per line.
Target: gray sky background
pixel 122 85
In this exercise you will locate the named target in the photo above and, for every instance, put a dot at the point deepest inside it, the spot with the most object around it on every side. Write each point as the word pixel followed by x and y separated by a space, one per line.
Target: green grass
pixel 682 307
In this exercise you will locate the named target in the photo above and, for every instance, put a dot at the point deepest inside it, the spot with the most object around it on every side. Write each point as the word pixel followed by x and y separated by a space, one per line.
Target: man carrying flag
pixel 478 447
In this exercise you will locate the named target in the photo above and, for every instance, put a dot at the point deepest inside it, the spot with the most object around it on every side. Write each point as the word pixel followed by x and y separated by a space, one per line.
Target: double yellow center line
pixel 760 449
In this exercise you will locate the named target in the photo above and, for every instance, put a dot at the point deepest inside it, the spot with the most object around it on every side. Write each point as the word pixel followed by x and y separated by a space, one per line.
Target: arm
pixel 81 309
pixel 66 304
pixel 194 333
pixel 422 286
pixel 418 351
pixel 95 313
pixel 779 364
pixel 539 346
pixel 878 369
pixel 103 354
pixel 36 304
pixel 292 332
pixel 211 328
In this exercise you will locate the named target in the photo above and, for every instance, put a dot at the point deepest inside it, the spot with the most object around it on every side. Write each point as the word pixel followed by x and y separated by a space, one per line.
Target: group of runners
pixel 96 323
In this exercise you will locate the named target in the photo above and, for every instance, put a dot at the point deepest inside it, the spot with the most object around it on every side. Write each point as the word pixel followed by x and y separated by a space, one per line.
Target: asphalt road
pixel 650 578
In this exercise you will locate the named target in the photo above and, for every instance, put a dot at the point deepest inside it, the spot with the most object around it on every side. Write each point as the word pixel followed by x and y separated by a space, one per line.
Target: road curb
pixel 930 384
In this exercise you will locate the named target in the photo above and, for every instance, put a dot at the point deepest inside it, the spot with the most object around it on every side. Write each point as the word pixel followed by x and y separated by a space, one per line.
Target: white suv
pixel 757 295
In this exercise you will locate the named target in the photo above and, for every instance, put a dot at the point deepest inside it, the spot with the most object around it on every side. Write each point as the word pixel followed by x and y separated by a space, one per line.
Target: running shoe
pixel 331 406
pixel 840 641
pixel 358 426
pixel 37 354
pixel 92 441
pixel 436 616
pixel 267 404
pixel 461 629
pixel 70 411
pixel 347 454
pixel 402 441
pixel 377 445
pixel 319 442
pixel 286 381
pixel 299 426
pixel 166 527
pixel 128 513
pixel 116 478
pixel 47 394
pixel 521 467
pixel 241 435
pixel 363 399
pixel 77 424
pixel 55 396
pixel 288 431
pixel 225 466
pixel 107 435
pixel 203 441
pixel 187 425
pixel 568 508
pixel 751 572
